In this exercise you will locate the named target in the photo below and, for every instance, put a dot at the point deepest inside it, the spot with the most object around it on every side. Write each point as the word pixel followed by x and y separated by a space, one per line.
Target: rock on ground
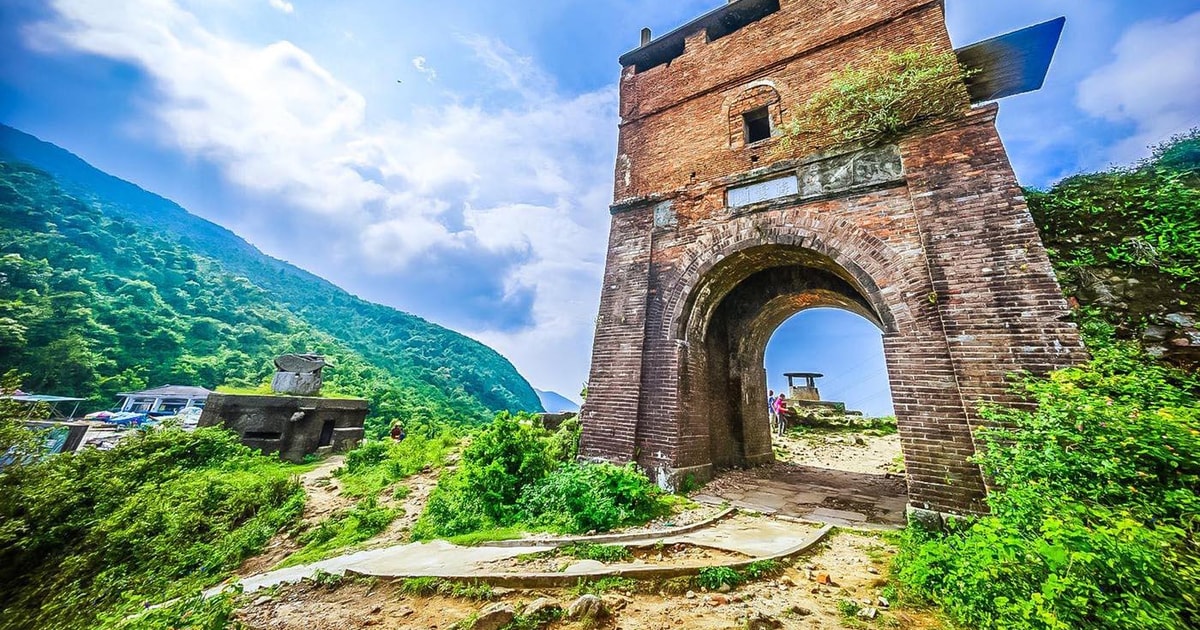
pixel 494 617
pixel 587 606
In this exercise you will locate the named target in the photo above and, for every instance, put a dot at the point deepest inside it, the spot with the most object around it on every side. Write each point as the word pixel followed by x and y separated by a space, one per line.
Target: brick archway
pixel 722 387
pixel 714 240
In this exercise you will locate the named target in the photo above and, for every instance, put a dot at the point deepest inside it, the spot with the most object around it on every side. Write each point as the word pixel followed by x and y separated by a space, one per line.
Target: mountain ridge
pixel 461 367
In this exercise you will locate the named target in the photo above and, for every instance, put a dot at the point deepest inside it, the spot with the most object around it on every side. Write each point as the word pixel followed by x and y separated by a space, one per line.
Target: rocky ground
pixel 842 583
pixel 841 449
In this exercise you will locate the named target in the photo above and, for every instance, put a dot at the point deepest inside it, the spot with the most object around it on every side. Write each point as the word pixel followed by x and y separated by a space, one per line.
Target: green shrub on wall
pixel 886 95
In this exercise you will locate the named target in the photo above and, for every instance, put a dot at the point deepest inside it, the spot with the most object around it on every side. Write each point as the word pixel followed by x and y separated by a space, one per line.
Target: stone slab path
pixel 753 536
pixel 822 495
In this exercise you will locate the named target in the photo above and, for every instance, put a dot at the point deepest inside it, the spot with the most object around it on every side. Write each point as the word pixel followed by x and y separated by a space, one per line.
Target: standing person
pixel 398 433
pixel 781 413
pixel 771 409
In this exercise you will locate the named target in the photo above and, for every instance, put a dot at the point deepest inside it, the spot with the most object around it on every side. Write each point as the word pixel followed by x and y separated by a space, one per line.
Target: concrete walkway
pixel 755 537
pixel 815 494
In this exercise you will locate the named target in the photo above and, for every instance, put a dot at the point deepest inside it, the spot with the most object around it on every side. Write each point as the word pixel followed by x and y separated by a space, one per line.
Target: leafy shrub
pixel 502 459
pixel 578 498
pixel 848 608
pixel 1145 218
pixel 189 613
pixel 161 515
pixel 378 464
pixel 1097 521
pixel 453 509
pixel 882 96
pixel 589 551
pixel 761 569
pixel 369 454
pixel 713 578
pixel 508 478
pixel 564 443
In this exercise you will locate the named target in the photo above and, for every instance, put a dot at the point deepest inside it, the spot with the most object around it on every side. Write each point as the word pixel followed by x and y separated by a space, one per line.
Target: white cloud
pixel 520 74
pixel 282 5
pixel 1153 84
pixel 422 66
pixel 531 178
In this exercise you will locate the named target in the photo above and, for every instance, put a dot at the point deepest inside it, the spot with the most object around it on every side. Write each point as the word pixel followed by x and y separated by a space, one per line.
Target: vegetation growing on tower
pixel 885 95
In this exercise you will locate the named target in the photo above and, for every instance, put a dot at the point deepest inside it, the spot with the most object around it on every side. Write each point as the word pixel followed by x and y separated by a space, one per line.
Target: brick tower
pixel 716 240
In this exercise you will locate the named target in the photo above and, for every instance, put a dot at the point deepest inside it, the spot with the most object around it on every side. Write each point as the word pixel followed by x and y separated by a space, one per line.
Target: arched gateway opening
pixel 730 319
pixel 726 325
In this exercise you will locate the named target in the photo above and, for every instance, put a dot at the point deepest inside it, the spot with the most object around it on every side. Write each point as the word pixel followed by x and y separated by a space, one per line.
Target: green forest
pixel 93 302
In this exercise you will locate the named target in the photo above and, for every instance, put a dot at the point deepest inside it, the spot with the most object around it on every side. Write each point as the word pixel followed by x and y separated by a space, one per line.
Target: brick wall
pixel 944 258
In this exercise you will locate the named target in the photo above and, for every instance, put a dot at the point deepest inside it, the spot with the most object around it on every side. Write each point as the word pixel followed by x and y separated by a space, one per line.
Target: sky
pixel 455 159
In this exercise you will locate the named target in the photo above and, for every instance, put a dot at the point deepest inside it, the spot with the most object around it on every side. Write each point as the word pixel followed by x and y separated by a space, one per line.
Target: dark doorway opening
pixel 326 434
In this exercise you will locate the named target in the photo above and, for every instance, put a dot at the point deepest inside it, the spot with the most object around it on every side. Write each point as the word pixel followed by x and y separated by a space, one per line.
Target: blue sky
pixel 455 159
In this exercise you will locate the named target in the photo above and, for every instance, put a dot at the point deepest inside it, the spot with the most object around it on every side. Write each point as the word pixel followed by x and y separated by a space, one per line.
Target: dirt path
pixel 323 499
pixel 851 451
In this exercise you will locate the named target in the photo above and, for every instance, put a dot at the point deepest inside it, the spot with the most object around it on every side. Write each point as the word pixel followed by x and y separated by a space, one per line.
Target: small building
pixel 167 399
pixel 805 391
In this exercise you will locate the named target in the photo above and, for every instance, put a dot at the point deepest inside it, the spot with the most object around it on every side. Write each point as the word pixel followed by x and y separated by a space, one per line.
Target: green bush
pixel 508 478
pixel 589 551
pixel 1097 519
pixel 713 578
pixel 370 454
pixel 189 613
pixel 1142 222
pixel 163 514
pixel 453 509
pixel 564 443
pixel 503 458
pixel 578 498
pixel 378 464
pixel 879 97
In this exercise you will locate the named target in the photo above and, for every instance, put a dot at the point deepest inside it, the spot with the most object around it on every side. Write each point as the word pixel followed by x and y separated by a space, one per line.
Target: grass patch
pixel 429 586
pixel 603 585
pixel 601 553
pixel 344 529
pixel 474 539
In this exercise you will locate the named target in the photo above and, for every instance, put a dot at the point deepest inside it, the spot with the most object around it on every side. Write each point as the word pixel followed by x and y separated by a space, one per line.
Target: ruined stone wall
pixel 930 238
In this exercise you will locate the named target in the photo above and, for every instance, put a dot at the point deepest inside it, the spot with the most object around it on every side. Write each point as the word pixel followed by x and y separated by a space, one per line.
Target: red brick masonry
pixel 929 238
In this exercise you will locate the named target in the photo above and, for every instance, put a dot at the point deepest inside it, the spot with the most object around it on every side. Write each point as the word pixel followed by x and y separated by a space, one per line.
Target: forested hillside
pixel 105 288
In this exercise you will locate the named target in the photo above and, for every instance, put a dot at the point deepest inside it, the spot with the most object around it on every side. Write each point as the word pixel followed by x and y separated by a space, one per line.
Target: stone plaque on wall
pixel 762 191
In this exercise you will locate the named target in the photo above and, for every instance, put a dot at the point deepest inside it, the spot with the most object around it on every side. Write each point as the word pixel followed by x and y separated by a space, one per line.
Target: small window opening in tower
pixel 758 125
